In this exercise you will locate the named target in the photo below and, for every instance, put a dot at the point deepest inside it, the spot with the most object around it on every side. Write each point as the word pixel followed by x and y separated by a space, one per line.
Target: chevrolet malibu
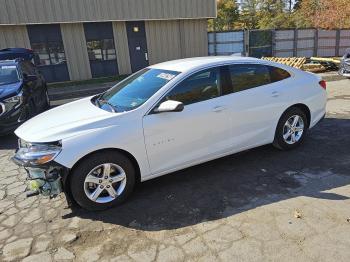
pixel 164 118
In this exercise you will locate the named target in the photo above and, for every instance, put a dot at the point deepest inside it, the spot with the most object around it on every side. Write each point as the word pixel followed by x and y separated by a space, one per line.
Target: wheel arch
pixel 67 175
pixel 303 108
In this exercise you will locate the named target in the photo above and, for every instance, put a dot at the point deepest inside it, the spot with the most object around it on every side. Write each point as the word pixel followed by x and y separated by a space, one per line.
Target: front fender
pixel 129 139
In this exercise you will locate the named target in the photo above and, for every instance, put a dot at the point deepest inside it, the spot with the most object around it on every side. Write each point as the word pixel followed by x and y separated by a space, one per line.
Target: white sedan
pixel 164 118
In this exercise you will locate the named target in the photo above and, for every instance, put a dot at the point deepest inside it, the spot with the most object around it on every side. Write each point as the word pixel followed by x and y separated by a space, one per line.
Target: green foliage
pixel 275 14
pixel 227 16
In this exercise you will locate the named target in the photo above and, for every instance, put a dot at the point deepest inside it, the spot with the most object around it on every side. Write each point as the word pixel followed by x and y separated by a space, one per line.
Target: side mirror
pixel 29 78
pixel 169 106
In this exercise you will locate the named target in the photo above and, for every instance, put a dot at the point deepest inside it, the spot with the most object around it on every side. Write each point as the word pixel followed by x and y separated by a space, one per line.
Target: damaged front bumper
pixel 44 175
pixel 47 179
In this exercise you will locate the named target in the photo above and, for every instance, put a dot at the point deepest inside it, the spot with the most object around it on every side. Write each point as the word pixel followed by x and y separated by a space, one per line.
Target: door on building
pixel 137 45
pixel 101 49
pixel 46 42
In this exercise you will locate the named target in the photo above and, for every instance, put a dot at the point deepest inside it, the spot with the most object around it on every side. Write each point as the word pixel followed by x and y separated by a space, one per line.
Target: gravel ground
pixel 259 205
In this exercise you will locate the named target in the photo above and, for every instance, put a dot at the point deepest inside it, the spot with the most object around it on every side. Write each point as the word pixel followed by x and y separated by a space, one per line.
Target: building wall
pixel 14 36
pixel 168 40
pixel 76 52
pixel 65 11
pixel 194 37
pixel 163 40
pixel 122 48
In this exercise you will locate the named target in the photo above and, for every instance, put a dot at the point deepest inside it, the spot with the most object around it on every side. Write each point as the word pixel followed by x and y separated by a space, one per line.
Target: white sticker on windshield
pixel 8 67
pixel 166 76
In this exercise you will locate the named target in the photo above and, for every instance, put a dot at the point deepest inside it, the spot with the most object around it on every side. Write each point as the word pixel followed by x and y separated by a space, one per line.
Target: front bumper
pixel 47 179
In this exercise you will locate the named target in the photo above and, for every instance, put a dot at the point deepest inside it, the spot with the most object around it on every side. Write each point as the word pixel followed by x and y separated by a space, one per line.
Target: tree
pixel 227 16
pixel 325 14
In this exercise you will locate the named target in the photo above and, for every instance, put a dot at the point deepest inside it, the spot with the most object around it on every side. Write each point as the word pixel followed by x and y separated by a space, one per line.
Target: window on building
pixel 101 49
pixel 246 76
pixel 198 87
pixel 49 53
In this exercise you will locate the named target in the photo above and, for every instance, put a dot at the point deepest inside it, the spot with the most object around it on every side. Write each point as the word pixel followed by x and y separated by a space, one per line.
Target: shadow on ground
pixel 239 182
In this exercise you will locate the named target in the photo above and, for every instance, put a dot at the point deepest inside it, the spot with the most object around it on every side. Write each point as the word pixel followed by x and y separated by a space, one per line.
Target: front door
pixel 177 139
pixel 137 45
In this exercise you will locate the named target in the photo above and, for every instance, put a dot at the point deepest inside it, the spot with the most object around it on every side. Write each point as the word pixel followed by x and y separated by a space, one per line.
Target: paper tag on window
pixel 8 67
pixel 166 76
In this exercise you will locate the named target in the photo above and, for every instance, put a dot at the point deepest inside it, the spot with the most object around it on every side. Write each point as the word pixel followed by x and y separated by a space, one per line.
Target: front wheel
pixel 102 180
pixel 291 129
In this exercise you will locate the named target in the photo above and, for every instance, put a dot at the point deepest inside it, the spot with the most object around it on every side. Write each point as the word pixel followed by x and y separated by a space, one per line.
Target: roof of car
pixel 189 64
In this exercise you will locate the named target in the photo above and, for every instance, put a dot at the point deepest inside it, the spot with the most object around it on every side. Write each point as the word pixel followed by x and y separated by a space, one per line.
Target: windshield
pixel 8 74
pixel 135 90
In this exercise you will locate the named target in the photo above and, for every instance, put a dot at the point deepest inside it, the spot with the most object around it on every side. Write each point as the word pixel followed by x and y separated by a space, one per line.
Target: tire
pixel 93 168
pixel 47 101
pixel 284 134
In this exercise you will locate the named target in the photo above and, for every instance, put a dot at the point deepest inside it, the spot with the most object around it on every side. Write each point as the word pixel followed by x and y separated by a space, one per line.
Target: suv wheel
pixel 102 180
pixel 291 129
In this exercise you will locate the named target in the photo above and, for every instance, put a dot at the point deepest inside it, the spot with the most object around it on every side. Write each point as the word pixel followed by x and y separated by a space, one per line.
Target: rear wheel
pixel 291 129
pixel 102 180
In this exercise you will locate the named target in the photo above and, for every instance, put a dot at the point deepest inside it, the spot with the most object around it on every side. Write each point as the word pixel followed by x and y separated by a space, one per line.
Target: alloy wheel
pixel 105 183
pixel 293 129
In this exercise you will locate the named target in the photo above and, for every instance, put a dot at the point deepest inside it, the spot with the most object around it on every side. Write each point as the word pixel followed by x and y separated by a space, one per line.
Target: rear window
pixel 278 74
pixel 246 76
pixel 8 74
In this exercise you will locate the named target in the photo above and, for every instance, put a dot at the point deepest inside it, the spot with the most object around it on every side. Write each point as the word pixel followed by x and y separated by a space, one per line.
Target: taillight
pixel 323 84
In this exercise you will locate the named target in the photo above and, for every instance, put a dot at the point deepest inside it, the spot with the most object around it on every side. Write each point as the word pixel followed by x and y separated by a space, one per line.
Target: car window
pixel 199 87
pixel 278 74
pixel 8 74
pixel 136 89
pixel 246 76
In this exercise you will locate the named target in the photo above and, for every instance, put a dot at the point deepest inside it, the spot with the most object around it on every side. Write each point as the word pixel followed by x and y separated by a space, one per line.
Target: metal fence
pixel 226 43
pixel 280 43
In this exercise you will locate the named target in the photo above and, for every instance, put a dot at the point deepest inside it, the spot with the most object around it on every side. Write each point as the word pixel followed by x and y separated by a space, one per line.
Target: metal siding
pixel 163 41
pixel 14 36
pixel 64 11
pixel 194 37
pixel 76 51
pixel 122 48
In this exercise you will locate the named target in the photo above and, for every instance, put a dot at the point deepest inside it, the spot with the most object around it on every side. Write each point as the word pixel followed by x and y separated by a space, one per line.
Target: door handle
pixel 218 108
pixel 275 94
pixel 146 56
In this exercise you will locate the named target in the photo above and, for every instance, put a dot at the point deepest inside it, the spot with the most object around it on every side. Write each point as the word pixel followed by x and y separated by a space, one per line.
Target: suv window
pixel 246 76
pixel 199 87
pixel 278 74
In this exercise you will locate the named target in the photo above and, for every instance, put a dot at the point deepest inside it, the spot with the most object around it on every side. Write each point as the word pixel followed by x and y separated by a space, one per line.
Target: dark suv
pixel 23 90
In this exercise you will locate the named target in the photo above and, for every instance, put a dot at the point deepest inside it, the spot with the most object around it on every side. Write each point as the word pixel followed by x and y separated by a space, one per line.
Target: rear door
pixel 256 104
pixel 200 131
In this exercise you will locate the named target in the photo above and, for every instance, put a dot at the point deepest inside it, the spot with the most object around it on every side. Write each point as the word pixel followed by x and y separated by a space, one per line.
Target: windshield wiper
pixel 100 100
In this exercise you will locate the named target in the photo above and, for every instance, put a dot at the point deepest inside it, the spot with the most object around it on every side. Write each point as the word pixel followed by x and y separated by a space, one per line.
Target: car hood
pixel 65 121
pixel 9 90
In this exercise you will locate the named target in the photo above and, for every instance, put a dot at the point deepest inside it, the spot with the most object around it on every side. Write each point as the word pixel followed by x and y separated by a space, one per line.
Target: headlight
pixel 14 101
pixel 37 153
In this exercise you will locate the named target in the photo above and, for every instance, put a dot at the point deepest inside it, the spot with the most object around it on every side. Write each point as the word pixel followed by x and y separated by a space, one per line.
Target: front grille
pixel 2 108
